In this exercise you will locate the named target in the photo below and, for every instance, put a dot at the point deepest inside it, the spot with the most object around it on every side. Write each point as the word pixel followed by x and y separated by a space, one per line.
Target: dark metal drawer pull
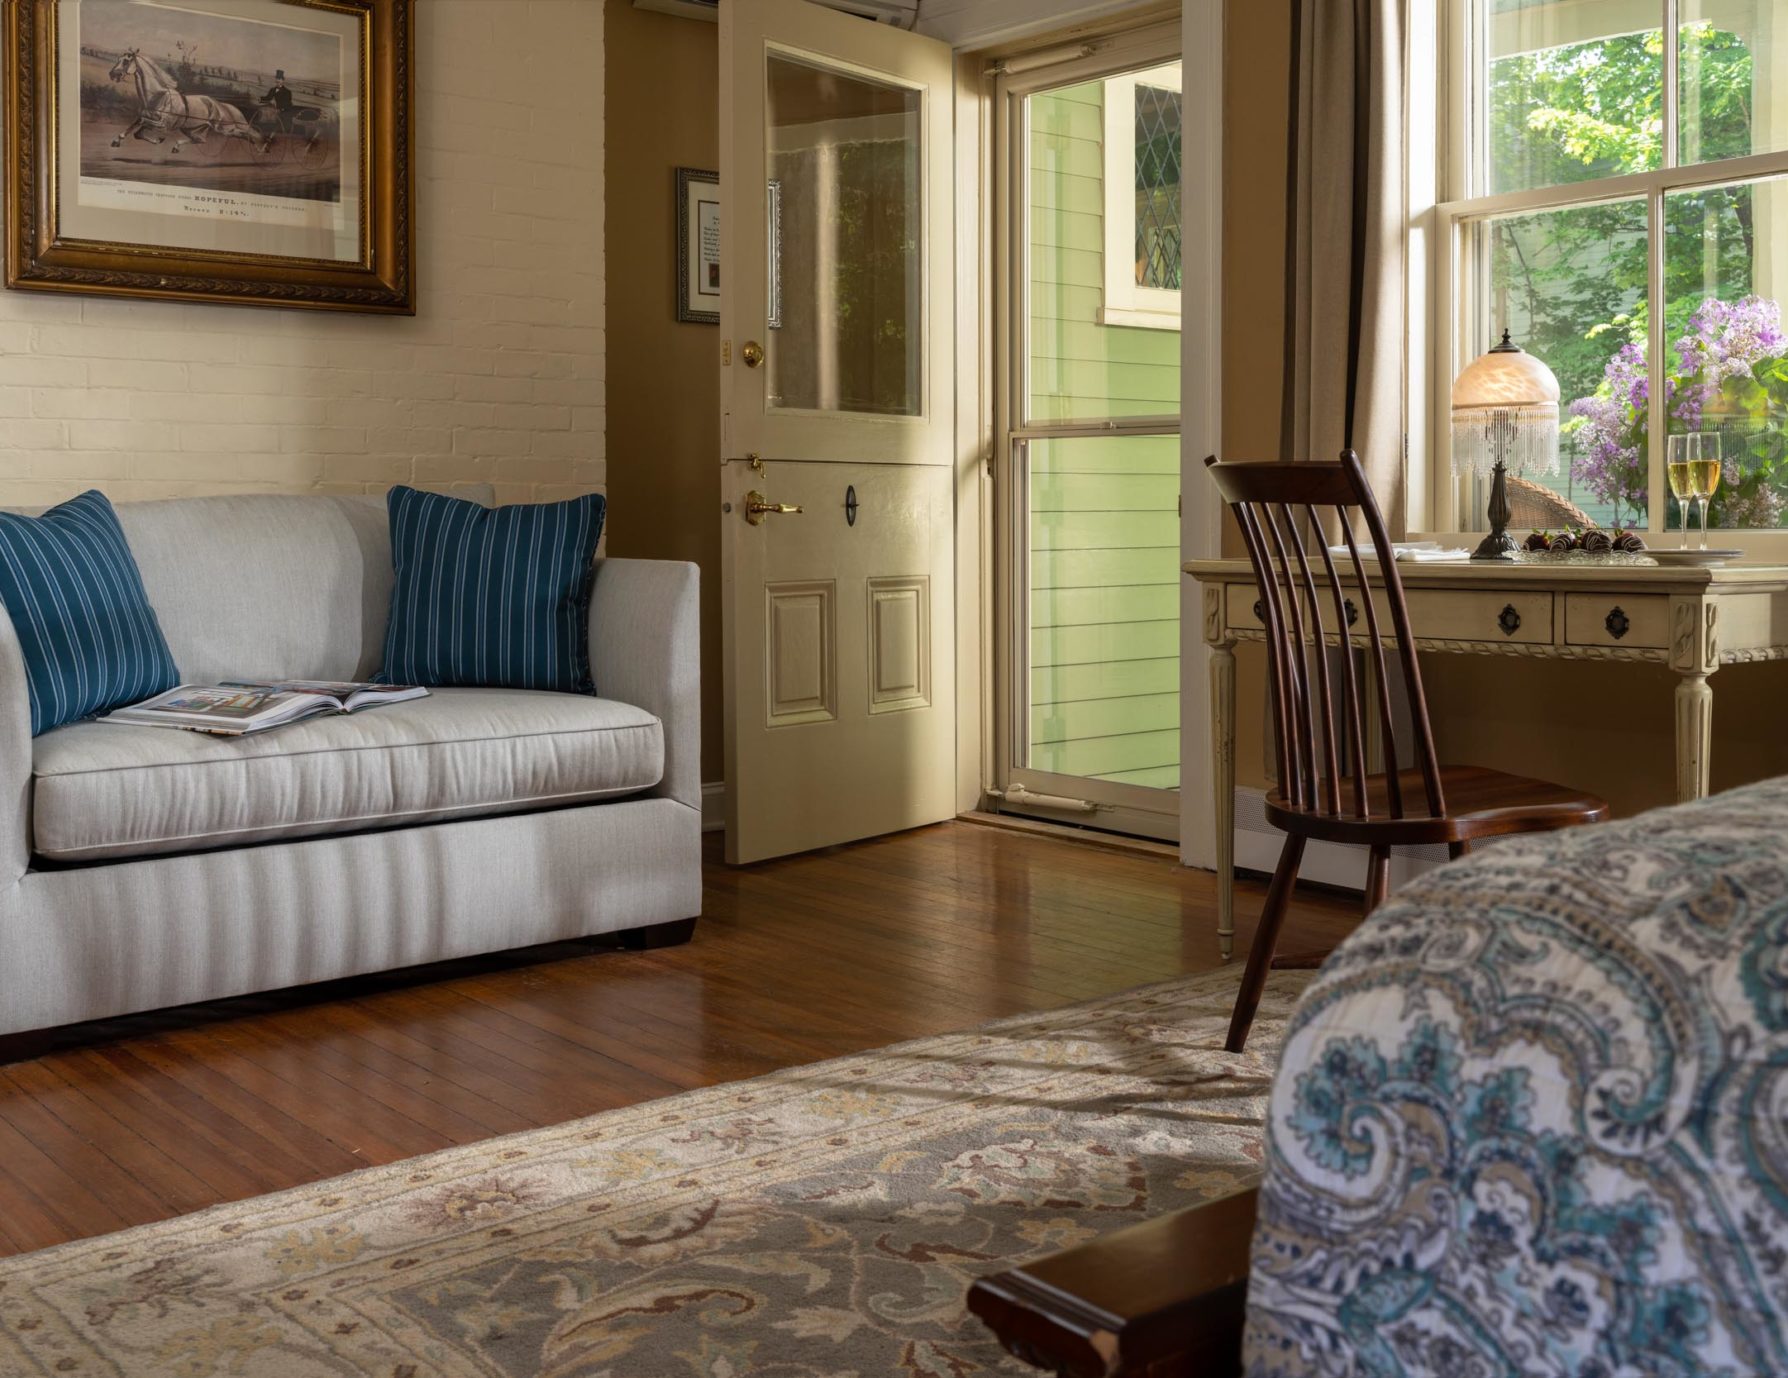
pixel 1616 623
pixel 1509 620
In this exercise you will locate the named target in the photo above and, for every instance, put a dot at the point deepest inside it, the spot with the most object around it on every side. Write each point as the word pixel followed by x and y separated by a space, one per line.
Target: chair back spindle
pixel 1317 728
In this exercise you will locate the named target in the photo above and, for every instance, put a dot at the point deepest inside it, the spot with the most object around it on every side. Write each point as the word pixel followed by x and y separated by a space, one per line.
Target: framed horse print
pixel 248 151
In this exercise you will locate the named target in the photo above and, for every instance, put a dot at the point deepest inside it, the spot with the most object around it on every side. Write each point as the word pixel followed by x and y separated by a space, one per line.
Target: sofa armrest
pixel 645 649
pixel 1165 1298
pixel 15 756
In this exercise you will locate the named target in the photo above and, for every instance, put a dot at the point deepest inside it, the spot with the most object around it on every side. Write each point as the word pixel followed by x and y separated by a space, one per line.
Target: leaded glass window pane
pixel 1157 188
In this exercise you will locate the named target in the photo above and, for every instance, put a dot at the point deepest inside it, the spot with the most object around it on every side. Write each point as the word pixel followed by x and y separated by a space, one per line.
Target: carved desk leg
pixel 1222 766
pixel 1694 655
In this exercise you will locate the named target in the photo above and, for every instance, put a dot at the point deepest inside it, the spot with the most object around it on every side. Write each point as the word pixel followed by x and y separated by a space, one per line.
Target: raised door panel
pixel 899 643
pixel 800 654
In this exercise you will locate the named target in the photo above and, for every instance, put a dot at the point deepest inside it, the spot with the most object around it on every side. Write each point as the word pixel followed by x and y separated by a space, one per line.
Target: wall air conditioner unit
pixel 902 13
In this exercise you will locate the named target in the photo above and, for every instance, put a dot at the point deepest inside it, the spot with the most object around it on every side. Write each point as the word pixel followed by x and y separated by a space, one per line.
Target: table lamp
pixel 1505 415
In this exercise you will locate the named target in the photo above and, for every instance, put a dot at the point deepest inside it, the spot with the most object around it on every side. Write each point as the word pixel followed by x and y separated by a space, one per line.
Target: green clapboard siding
pixel 1102 756
pixel 1104 526
pixel 1066 722
pixel 1106 679
pixel 1160 777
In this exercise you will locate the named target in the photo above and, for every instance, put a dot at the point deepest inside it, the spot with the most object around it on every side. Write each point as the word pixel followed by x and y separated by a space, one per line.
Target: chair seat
pixel 1479 803
pixel 104 790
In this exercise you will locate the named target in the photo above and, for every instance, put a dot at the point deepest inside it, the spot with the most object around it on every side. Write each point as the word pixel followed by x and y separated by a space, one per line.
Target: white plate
pixel 1697 558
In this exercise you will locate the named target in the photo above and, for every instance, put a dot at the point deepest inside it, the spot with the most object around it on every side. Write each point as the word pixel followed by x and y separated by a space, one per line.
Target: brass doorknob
pixel 756 509
pixel 752 353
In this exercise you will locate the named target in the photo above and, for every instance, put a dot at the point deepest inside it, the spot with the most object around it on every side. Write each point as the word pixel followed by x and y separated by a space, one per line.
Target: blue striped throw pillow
pixel 495 596
pixel 89 637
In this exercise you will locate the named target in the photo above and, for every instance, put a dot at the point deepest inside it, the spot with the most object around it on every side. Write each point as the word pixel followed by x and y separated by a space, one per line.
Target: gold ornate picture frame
pixel 249 151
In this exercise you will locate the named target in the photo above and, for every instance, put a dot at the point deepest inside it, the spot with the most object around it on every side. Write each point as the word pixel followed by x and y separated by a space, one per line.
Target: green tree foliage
pixel 1572 283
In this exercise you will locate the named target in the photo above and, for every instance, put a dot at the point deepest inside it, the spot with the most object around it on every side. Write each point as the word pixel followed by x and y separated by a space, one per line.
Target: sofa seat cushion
pixel 103 790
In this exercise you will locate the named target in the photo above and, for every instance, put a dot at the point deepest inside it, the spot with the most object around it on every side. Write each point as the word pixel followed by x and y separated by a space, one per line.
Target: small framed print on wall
pixel 698 246
pixel 248 151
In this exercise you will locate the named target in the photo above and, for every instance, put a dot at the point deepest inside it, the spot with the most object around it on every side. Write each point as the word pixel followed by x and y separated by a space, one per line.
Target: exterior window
pixel 1142 237
pixel 1157 186
pixel 1621 206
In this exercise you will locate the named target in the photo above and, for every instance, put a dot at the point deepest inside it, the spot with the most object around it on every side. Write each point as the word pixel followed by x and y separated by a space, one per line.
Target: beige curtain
pixel 1345 365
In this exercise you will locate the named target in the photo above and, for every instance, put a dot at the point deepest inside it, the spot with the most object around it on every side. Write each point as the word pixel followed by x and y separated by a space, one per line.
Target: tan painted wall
pixel 664 382
pixel 1256 76
pixel 497 379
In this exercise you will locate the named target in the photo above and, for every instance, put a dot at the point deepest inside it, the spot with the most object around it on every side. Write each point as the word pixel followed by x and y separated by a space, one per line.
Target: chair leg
pixel 1378 877
pixel 1455 850
pixel 1266 937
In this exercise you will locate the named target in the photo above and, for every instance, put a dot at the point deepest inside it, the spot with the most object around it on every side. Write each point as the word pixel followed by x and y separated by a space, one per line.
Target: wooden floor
pixel 796 960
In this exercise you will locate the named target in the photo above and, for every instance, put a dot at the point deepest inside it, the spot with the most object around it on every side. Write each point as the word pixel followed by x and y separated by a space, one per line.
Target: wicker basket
pixel 1532 506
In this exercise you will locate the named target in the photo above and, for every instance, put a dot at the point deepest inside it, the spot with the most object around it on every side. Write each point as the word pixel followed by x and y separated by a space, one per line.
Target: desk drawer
pixel 1492 615
pixel 1245 598
pixel 1239 607
pixel 1617 619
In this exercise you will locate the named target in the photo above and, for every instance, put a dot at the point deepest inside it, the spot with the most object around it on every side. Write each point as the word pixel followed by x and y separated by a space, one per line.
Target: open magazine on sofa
pixel 236 708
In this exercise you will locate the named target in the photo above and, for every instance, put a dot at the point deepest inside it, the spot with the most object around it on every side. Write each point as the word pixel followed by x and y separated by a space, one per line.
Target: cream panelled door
pixel 836 428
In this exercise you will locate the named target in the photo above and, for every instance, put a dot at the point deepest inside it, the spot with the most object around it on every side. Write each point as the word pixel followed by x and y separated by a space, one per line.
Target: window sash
pixel 1440 264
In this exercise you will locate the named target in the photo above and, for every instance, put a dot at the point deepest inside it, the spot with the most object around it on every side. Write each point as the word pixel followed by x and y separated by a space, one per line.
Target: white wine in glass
pixel 1693 468
pixel 1705 473
pixel 1682 460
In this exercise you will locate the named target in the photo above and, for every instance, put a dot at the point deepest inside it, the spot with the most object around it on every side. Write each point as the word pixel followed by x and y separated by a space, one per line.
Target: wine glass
pixel 1683 458
pixel 1708 470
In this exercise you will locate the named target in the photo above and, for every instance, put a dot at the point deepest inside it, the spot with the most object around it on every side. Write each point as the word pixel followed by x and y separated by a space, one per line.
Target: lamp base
pixel 1498 545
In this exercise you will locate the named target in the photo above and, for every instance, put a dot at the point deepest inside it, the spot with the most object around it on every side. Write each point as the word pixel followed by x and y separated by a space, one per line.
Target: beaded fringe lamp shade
pixel 1505 416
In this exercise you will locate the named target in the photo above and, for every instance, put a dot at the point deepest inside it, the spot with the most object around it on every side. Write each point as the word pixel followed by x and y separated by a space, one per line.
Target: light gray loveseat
pixel 143 867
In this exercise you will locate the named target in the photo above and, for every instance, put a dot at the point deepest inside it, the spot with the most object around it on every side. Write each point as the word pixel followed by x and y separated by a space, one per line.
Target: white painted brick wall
pixel 498 378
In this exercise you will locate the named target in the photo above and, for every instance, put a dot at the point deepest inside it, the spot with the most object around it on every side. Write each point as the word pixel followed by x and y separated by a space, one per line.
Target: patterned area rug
pixel 825 1220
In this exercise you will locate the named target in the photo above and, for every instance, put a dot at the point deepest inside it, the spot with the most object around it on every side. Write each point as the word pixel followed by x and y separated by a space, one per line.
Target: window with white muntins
pixel 1612 188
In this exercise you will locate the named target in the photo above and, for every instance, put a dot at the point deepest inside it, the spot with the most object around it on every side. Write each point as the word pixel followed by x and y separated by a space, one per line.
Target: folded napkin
pixel 1400 550
pixel 1434 556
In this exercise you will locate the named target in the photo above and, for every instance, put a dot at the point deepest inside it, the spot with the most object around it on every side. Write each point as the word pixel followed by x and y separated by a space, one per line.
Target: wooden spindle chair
pixel 1324 790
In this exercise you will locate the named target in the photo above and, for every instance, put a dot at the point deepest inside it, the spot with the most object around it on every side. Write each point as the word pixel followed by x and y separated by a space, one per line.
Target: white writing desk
pixel 1692 620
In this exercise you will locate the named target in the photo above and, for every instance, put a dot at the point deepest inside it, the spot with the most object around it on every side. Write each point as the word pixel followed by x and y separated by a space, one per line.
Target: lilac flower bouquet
pixel 1731 374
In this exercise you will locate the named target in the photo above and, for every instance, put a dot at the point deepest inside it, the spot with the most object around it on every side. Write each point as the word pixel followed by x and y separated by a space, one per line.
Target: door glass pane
pixel 1726 372
pixel 1104 608
pixel 1571 91
pixel 1103 242
pixel 1733 57
pixel 1569 286
pixel 845 329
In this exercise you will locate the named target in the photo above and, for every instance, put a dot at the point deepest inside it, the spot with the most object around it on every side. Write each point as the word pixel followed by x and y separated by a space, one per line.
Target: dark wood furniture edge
pixel 1160 1298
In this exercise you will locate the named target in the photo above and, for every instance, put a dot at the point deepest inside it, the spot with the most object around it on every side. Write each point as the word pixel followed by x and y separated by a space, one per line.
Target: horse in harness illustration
pixel 163 110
